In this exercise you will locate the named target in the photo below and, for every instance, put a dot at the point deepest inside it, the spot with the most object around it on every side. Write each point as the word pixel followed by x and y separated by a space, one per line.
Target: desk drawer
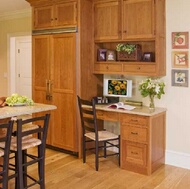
pixel 108 116
pixel 135 120
pixel 134 134
pixel 134 153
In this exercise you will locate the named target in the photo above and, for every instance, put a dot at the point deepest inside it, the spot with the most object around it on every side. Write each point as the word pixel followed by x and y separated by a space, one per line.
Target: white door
pixel 23 65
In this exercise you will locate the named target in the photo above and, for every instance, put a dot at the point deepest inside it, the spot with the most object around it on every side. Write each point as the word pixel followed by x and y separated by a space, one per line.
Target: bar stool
pixel 5 140
pixel 25 140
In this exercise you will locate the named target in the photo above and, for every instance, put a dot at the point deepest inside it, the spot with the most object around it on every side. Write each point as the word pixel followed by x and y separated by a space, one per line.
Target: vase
pixel 151 106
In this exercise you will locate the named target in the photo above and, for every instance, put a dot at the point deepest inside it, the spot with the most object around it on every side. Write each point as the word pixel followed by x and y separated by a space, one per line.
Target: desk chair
pixel 91 133
pixel 5 140
pixel 25 140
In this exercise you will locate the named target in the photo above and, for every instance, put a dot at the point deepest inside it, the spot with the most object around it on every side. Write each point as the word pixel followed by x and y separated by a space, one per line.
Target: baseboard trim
pixel 178 159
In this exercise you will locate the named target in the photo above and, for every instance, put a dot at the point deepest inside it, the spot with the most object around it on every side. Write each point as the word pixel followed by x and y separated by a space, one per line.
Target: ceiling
pixel 13 5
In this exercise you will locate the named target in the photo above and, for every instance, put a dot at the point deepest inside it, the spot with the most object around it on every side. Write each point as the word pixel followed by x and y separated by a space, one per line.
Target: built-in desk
pixel 142 136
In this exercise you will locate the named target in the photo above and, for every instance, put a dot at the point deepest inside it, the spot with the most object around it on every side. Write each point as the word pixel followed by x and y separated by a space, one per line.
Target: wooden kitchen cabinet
pixel 123 19
pixel 135 22
pixel 138 19
pixel 107 20
pixel 142 142
pixel 54 15
pixel 63 66
pixel 54 76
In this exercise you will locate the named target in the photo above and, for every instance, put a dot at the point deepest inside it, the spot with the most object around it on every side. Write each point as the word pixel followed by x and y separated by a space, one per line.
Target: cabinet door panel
pixel 66 14
pixel 43 17
pixel 63 71
pixel 138 19
pixel 106 20
pixel 40 66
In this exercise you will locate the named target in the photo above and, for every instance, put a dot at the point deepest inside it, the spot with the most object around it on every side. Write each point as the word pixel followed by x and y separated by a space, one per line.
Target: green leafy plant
pixel 129 48
pixel 152 87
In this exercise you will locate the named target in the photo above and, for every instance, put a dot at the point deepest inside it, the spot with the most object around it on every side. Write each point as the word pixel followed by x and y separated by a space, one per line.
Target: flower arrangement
pixel 152 88
pixel 129 48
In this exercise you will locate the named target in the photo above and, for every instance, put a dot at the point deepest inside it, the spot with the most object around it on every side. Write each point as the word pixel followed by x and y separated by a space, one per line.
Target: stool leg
pixel 41 166
pixel 24 160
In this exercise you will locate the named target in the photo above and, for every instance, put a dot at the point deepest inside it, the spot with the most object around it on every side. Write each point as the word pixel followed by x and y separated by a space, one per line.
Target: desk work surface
pixel 9 111
pixel 140 110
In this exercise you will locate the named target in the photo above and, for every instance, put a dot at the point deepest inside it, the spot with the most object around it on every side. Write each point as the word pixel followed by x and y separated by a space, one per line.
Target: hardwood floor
pixel 64 171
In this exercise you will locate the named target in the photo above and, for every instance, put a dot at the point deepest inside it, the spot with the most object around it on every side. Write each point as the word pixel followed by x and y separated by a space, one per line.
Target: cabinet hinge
pixel 18 50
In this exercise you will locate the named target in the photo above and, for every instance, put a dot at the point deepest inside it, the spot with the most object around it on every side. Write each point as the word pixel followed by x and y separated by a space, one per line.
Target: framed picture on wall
pixel 180 40
pixel 180 78
pixel 180 59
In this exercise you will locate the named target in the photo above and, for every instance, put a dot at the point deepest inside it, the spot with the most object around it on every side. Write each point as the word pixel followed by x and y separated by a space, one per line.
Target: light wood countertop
pixel 9 111
pixel 139 110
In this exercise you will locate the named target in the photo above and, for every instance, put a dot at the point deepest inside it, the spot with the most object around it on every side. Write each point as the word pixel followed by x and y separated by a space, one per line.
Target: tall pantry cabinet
pixel 62 65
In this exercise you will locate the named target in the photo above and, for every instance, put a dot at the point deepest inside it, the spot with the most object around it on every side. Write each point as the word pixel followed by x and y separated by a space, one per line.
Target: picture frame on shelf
pixel 148 57
pixel 180 40
pixel 180 59
pixel 110 55
pixel 180 78
pixel 102 54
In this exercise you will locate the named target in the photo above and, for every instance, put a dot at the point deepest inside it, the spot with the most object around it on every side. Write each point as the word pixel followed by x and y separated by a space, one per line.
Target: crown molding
pixel 15 14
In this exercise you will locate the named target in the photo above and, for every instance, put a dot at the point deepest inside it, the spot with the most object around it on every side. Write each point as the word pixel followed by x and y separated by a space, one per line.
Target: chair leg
pixel 84 149
pixel 96 155
pixel 41 167
pixel 119 149
pixel 105 152
pixel 24 160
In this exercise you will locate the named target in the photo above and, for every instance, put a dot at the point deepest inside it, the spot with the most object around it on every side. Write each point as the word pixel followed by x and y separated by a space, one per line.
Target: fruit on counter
pixel 18 99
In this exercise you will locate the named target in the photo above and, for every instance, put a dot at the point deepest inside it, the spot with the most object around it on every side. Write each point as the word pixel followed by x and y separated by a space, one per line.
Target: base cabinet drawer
pixel 134 134
pixel 109 116
pixel 134 120
pixel 133 154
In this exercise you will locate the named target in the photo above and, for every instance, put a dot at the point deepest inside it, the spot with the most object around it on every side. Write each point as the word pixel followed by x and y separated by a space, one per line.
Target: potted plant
pixel 129 48
pixel 128 52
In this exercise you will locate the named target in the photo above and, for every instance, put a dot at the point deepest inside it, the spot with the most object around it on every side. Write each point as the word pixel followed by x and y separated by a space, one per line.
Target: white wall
pixel 177 99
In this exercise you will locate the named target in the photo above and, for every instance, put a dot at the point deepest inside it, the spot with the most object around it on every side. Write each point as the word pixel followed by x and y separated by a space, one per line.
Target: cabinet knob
pixel 125 31
pixel 107 67
pixel 55 18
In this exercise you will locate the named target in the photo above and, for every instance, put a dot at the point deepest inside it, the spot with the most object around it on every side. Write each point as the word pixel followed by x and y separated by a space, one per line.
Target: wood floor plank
pixel 65 171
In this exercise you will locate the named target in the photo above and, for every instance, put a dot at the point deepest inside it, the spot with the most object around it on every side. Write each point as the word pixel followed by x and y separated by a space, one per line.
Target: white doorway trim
pixel 11 60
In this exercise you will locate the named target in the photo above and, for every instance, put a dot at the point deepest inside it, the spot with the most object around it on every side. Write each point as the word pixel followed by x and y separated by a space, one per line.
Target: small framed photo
pixel 180 40
pixel 180 78
pixel 148 57
pixel 110 55
pixel 180 59
pixel 102 54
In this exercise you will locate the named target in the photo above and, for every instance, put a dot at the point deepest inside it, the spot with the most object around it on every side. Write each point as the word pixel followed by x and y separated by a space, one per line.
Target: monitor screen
pixel 118 87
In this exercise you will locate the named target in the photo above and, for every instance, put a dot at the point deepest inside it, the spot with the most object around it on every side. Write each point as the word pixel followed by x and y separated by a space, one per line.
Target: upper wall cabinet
pixel 138 19
pixel 123 19
pixel 139 22
pixel 59 15
pixel 107 20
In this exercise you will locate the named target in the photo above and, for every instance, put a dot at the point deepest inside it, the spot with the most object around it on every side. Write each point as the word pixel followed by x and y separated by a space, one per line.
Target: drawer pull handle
pixel 136 153
pixel 134 133
pixel 134 120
